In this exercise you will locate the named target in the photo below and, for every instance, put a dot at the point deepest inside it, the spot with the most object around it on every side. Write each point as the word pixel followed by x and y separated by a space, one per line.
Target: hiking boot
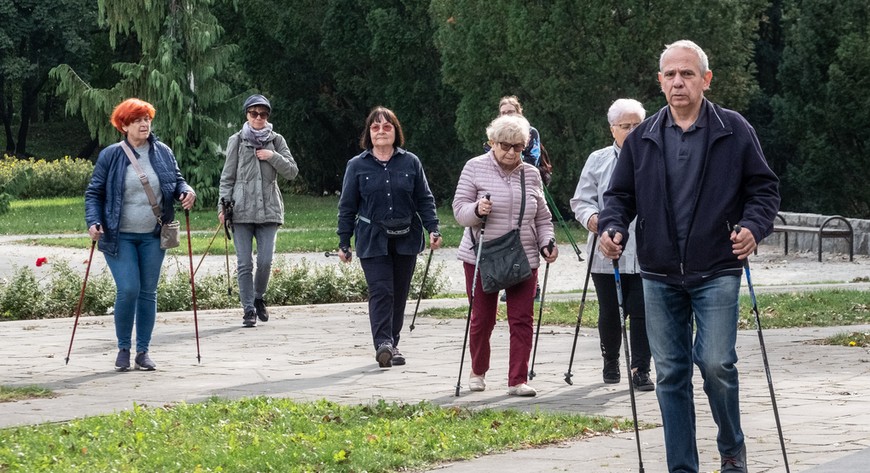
pixel 260 307
pixel 642 382
pixel 398 357
pixel 122 362
pixel 384 355
pixel 477 382
pixel 250 319
pixel 735 464
pixel 522 390
pixel 143 362
pixel 611 371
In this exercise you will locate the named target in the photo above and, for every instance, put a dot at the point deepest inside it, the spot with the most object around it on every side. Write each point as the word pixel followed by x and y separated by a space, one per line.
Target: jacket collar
pixel 716 120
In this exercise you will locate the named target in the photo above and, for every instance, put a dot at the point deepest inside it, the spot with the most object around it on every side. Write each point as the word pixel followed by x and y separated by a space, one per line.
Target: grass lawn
pixel 268 434
pixel 309 225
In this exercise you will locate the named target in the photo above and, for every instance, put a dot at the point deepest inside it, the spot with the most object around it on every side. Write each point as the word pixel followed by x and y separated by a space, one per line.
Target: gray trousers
pixel 253 284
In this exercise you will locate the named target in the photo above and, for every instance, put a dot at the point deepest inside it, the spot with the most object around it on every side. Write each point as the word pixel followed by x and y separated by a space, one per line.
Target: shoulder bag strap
pixel 523 191
pixel 144 180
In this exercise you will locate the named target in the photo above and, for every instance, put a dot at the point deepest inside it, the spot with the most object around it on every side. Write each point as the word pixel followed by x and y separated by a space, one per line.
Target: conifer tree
pixel 179 72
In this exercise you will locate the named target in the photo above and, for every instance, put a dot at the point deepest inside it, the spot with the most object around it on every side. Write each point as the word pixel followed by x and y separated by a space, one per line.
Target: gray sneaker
pixel 735 464
pixel 398 357
pixel 384 355
pixel 143 362
pixel 262 312
pixel 122 362
pixel 250 319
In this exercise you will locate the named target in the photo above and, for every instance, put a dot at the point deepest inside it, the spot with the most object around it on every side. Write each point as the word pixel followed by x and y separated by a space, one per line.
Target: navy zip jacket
pixel 105 194
pixel 372 193
pixel 736 187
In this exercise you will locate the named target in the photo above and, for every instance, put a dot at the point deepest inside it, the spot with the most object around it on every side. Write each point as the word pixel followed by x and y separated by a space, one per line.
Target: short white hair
pixel 622 107
pixel 703 62
pixel 509 129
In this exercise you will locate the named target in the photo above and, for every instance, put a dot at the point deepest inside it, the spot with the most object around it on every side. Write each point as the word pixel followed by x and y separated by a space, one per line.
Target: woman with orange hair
pixel 119 215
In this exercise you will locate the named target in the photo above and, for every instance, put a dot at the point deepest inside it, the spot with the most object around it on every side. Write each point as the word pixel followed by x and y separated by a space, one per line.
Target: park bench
pixel 825 230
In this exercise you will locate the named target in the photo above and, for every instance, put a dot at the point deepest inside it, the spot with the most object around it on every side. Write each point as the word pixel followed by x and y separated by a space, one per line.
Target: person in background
pixel 256 156
pixel 690 173
pixel 624 116
pixel 119 216
pixel 385 204
pixel 499 173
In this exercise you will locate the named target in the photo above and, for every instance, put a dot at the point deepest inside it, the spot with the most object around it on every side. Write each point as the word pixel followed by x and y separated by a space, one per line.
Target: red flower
pixel 41 261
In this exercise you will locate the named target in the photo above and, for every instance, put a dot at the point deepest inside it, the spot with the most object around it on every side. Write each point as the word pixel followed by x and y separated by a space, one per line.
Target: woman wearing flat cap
pixel 256 156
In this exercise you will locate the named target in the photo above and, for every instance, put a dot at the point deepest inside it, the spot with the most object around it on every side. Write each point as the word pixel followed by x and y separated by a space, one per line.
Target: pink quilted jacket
pixel 482 175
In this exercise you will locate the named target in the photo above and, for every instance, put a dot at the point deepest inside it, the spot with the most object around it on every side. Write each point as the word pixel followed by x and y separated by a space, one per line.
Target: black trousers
pixel 389 282
pixel 609 326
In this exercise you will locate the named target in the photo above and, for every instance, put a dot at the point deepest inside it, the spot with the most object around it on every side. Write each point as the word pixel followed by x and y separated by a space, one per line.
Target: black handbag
pixel 503 261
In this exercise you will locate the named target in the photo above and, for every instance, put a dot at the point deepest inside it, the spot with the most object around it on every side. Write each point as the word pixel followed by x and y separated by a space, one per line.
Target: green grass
pixel 309 225
pixel 853 339
pixel 10 394
pixel 267 434
pixel 823 308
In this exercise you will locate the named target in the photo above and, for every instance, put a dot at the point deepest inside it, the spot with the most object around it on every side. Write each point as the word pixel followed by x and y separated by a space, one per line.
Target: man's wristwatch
pixel 436 234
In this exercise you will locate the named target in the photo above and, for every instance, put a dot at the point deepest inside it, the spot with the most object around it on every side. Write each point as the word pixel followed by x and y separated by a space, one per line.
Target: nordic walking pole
pixel 422 285
pixel 541 309
pixel 737 229
pixel 580 312
pixel 471 299
pixel 192 284
pixel 555 210
pixel 81 297
pixel 207 248
pixel 612 232
pixel 227 209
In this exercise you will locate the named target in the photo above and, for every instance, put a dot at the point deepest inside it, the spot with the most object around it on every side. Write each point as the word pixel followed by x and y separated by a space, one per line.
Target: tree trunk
pixel 6 116
pixel 88 150
pixel 29 98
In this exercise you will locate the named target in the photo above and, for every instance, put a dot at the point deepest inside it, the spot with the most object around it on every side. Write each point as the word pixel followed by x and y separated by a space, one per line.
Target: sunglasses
pixel 377 127
pixel 255 114
pixel 518 148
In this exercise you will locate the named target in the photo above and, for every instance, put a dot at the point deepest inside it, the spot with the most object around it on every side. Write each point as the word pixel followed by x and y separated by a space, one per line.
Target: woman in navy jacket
pixel 119 216
pixel 386 202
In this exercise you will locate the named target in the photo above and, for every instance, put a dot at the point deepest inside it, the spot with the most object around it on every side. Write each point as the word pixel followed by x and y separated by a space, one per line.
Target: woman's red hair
pixel 129 110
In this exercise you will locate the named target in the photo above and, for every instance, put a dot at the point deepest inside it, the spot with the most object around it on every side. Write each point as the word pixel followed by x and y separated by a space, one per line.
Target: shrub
pixel 64 177
pixel 21 297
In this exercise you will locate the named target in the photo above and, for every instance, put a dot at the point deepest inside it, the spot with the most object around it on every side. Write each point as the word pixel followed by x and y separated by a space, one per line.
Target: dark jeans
pixel 609 326
pixel 389 281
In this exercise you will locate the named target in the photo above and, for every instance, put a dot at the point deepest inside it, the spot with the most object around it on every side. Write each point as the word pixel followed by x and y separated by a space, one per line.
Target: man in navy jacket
pixel 690 173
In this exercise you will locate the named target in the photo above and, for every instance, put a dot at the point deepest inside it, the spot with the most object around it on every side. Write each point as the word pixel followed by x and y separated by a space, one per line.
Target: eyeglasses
pixel 377 127
pixel 626 126
pixel 255 114
pixel 518 148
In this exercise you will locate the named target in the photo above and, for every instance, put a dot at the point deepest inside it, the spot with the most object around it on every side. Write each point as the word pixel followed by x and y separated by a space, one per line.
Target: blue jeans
pixel 253 284
pixel 136 270
pixel 669 317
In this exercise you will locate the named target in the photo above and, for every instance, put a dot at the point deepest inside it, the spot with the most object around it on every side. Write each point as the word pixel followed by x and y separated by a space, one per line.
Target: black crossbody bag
pixel 503 261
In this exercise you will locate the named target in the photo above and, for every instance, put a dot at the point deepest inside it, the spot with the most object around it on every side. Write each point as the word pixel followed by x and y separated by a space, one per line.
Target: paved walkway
pixel 313 352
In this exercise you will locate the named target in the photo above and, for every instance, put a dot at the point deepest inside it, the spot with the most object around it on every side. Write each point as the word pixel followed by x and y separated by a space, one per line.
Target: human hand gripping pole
pixel 192 283
pixel 611 232
pixel 82 296
pixel 471 298
pixel 737 229
pixel 549 247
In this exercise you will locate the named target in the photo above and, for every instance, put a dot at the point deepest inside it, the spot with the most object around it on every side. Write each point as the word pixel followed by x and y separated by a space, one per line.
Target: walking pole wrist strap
pixel 152 199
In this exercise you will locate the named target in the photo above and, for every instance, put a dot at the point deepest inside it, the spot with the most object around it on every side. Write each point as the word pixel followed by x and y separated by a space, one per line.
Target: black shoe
pixel 250 319
pixel 144 363
pixel 735 464
pixel 122 362
pixel 538 293
pixel 642 382
pixel 398 357
pixel 503 297
pixel 384 355
pixel 611 371
pixel 260 307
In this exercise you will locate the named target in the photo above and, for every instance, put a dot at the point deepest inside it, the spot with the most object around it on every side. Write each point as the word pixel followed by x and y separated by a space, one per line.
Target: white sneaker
pixel 523 390
pixel 476 382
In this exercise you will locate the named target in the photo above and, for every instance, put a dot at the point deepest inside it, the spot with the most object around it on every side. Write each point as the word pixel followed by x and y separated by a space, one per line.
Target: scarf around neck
pixel 258 137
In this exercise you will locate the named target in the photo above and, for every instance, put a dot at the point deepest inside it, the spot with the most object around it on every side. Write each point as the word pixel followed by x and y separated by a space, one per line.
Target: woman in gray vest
pixel 256 156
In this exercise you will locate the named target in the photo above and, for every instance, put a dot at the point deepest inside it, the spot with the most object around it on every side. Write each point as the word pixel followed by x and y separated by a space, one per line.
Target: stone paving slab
pixel 313 352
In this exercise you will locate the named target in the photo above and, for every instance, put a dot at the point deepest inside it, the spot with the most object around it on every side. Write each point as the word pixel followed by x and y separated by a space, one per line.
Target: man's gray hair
pixel 622 107
pixel 703 62
pixel 508 129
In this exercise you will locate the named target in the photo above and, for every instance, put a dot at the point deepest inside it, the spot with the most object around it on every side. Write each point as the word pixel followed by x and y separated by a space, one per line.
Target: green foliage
pixel 179 72
pixel 822 108
pixel 18 393
pixel 21 297
pixel 38 178
pixel 851 339
pixel 266 434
